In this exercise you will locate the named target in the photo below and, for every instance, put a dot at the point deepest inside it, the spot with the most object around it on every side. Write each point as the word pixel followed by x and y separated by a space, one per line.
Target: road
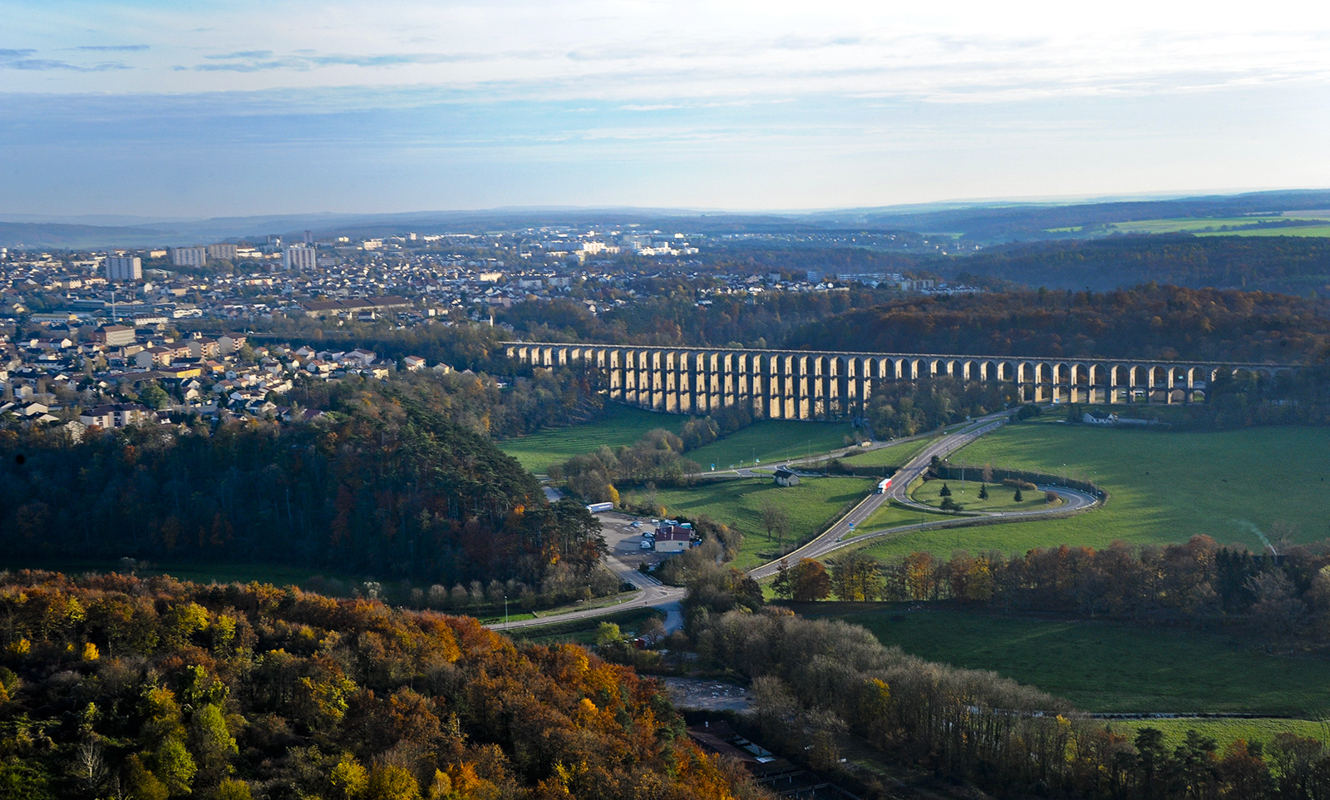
pixel 623 556
pixel 833 538
pixel 652 594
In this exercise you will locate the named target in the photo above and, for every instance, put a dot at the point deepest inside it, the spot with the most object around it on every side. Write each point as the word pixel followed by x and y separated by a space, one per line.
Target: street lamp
pixel 505 610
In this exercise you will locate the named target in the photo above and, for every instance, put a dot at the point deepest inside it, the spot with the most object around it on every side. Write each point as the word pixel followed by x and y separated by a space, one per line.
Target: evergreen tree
pixel 1018 497
pixel 983 491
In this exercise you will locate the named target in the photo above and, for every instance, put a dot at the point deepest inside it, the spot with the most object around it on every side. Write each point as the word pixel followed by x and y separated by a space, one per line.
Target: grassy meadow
pixel 737 503
pixel 892 514
pixel 966 493
pixel 1164 486
pixel 621 425
pixel 895 455
pixel 1225 731
pixel 768 440
pixel 772 440
pixel 1106 667
pixel 1212 225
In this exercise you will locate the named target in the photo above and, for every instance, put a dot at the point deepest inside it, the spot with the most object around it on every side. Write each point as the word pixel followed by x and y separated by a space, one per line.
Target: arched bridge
pixel 814 384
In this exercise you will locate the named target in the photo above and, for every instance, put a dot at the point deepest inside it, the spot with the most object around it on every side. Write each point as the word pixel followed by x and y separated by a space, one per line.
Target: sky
pixel 200 109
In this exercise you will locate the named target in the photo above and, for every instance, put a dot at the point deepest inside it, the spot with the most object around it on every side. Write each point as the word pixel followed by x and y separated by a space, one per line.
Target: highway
pixel 832 538
pixel 652 594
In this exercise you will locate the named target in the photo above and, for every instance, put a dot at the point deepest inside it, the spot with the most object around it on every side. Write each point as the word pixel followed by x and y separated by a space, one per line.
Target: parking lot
pixel 624 541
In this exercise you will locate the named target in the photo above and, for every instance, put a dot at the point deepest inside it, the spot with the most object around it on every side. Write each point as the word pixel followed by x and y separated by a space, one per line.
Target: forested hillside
pixel 1164 322
pixel 385 482
pixel 670 314
pixel 118 687
pixel 1287 264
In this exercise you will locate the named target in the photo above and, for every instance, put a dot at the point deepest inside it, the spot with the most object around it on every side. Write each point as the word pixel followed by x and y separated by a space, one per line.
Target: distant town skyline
pixel 154 109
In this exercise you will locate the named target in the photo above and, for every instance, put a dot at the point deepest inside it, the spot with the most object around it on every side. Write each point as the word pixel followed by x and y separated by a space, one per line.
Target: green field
pixel 621 425
pixel 892 514
pixel 1224 731
pixel 1164 487
pixel 966 493
pixel 1105 667
pixel 772 440
pixel 1308 230
pixel 810 505
pixel 1210 226
pixel 896 455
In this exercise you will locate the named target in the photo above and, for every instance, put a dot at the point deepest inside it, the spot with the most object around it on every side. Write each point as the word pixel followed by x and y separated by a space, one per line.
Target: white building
pixel 189 256
pixel 299 256
pixel 123 268
pixel 222 251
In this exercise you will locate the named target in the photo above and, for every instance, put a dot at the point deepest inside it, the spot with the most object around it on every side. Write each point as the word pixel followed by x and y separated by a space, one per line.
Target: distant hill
pixel 1145 322
pixel 1286 264
pixel 974 223
pixel 1013 222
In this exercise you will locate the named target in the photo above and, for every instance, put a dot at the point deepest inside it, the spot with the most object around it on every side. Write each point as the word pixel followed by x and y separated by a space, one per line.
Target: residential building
pixel 117 415
pixel 189 256
pixel 114 335
pixel 299 256
pixel 123 268
pixel 672 539
pixel 222 251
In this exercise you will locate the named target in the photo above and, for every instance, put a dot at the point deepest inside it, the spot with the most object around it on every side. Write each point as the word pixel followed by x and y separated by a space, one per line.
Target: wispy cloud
pixel 23 59
pixel 302 60
pixel 115 48
pixel 241 54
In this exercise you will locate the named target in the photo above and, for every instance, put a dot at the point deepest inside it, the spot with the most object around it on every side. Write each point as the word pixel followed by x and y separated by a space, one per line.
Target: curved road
pixel 653 594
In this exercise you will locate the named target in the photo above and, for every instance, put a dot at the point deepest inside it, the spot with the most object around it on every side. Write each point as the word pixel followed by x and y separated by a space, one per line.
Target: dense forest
pixel 385 482
pixel 1296 265
pixel 669 313
pixel 116 687
pixel 1157 322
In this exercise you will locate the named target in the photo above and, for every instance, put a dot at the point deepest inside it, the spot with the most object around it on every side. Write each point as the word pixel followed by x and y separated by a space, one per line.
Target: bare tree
pixel 774 519
pixel 653 630
pixel 89 766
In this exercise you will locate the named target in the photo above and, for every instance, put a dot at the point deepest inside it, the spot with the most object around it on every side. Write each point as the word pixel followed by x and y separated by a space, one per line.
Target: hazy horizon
pixel 149 109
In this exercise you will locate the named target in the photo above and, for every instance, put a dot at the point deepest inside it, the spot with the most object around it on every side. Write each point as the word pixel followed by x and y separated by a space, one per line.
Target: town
pixel 116 337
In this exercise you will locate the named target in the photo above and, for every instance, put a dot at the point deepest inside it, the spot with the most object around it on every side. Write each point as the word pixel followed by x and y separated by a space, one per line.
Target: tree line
pixel 1195 582
pixel 385 481
pixel 655 458
pixel 815 683
pixel 114 686
pixel 905 408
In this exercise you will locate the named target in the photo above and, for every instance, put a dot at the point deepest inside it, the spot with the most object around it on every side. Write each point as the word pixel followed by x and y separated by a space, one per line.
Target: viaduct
pixel 813 384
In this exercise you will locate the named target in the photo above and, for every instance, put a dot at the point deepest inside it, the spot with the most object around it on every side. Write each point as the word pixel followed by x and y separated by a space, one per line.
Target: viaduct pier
pixel 813 384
